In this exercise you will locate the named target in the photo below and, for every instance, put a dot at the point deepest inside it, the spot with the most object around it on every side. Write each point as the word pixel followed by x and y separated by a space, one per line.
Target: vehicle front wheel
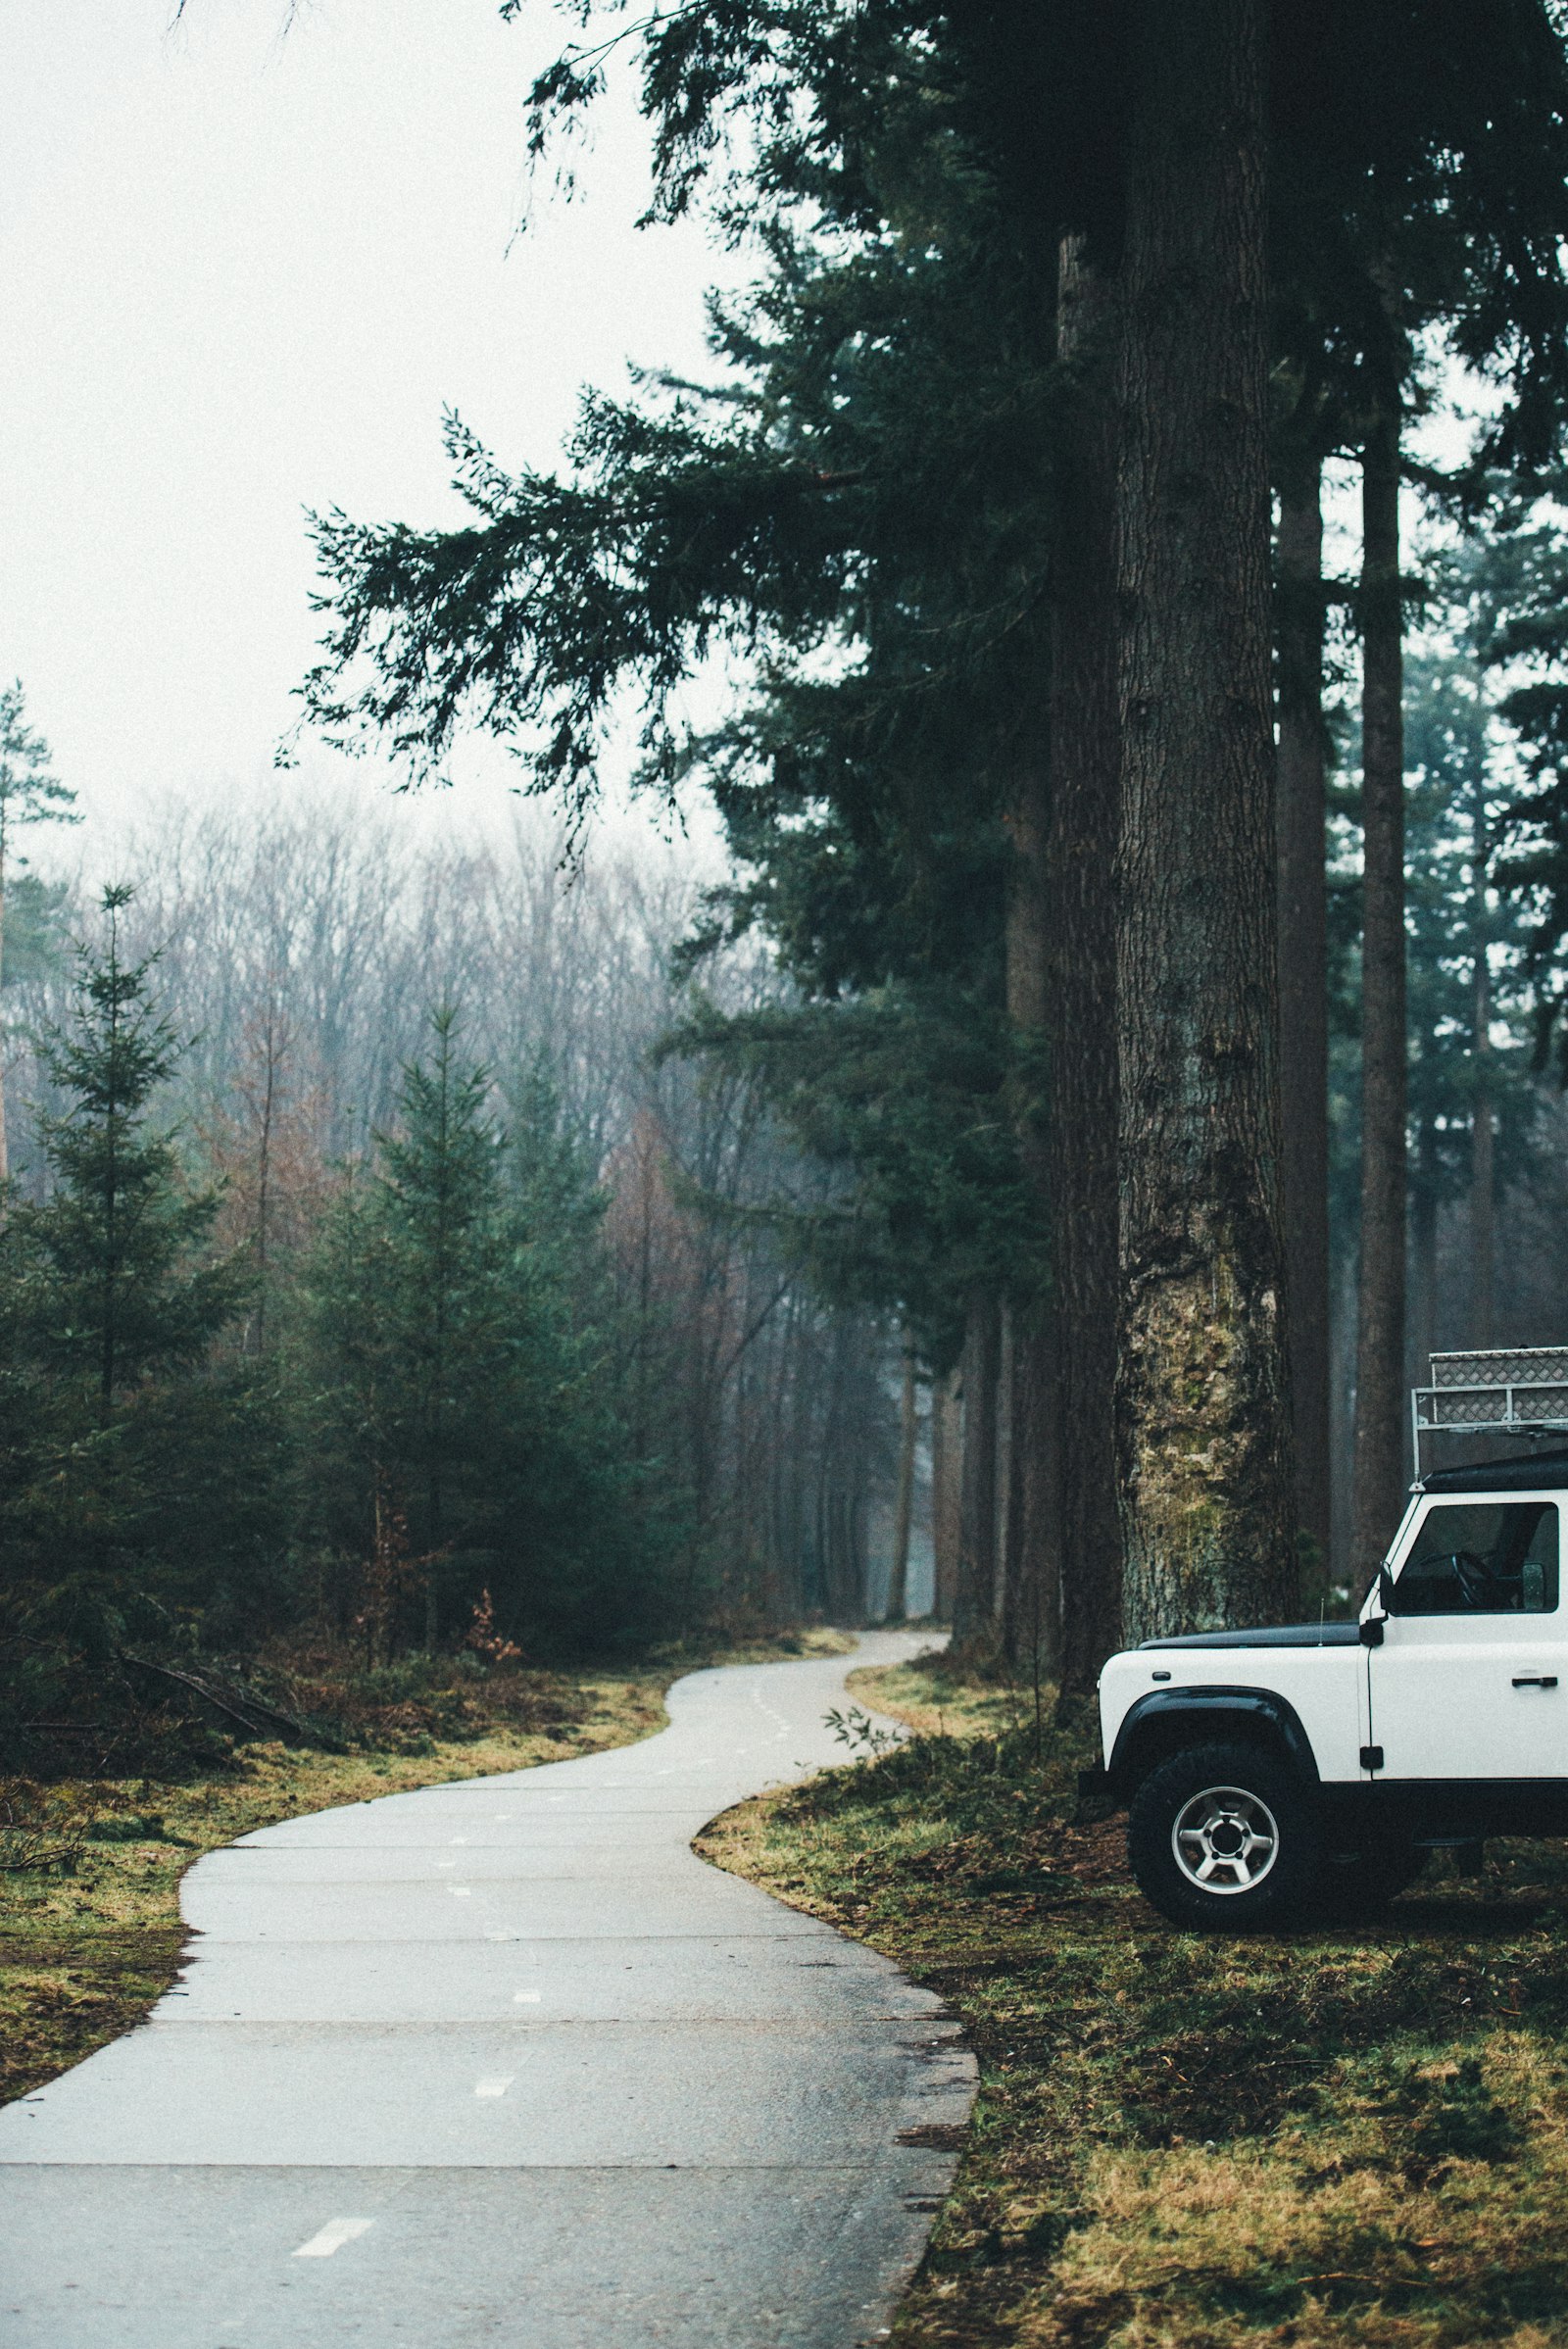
pixel 1224 1839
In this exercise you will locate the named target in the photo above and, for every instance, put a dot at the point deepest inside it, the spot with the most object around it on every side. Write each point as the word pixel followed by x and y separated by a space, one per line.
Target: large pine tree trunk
pixel 1303 990
pixel 5 1147
pixel 1004 1560
pixel 1029 1525
pixel 1081 1012
pixel 947 1453
pixel 1203 1388
pixel 1380 1329
pixel 1029 1522
pixel 1424 1255
pixel 1482 1172
pixel 897 1605
pixel 974 1629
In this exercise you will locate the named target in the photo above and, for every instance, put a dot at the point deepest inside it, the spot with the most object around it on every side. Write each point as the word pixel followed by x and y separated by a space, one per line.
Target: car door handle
pixel 1534 1679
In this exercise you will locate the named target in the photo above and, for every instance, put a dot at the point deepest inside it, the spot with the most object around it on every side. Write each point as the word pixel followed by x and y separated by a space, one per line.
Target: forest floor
pixel 1317 2139
pixel 90 1933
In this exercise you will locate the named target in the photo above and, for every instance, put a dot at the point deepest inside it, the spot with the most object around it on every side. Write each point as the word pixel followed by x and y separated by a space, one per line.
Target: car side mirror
pixel 1372 1625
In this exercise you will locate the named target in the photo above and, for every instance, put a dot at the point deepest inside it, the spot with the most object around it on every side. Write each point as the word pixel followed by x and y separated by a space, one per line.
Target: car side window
pixel 1482 1557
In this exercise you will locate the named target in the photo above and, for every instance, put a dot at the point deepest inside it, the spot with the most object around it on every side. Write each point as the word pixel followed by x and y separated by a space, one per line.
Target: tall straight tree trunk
pixel 1029 1522
pixel 1424 1253
pixel 1342 1354
pixel 1004 1560
pixel 1028 1461
pixel 1302 817
pixel 1081 1177
pixel 1380 1328
pixel 1203 1387
pixel 903 1499
pixel 1482 1149
pixel 972 1629
pixel 947 1453
pixel 5 1147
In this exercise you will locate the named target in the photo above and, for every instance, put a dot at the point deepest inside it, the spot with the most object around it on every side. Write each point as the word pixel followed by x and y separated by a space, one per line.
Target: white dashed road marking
pixel 332 2238
pixel 496 2086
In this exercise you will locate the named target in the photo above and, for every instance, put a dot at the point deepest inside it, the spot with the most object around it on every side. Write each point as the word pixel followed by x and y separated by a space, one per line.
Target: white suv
pixel 1316 1765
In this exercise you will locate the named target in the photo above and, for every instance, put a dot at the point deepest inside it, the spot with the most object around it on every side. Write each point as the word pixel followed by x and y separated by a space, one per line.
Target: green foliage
pixel 139 1484
pixel 1469 799
pixel 1517 590
pixel 901 1095
pixel 28 793
pixel 113 1299
pixel 36 929
pixel 463 1399
pixel 864 507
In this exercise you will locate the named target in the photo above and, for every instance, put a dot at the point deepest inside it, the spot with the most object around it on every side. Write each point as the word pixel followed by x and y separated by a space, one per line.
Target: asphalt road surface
pixel 502 2062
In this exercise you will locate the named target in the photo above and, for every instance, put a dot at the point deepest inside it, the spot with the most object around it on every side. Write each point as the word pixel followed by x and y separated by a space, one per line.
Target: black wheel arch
pixel 1164 1721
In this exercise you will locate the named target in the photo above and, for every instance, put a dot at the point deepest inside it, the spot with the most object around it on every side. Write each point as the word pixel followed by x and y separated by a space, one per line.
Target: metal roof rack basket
pixel 1497 1392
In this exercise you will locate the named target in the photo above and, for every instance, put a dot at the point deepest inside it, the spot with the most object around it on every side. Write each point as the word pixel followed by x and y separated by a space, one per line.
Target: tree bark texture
pixel 904 1497
pixel 947 1456
pixel 1029 1522
pixel 1202 1416
pixel 5 1147
pixel 1483 1170
pixel 1028 1461
pixel 1380 1402
pixel 1004 1551
pixel 1079 1357
pixel 974 1628
pixel 1301 818
pixel 1423 1313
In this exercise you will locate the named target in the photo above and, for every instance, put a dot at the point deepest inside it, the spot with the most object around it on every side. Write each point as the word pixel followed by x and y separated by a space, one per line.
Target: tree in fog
pixel 706 1442
pixel 28 795
pixel 135 1481
pixel 456 1389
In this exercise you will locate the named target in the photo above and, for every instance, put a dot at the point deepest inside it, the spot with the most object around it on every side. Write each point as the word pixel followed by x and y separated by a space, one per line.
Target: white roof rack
pixel 1499 1391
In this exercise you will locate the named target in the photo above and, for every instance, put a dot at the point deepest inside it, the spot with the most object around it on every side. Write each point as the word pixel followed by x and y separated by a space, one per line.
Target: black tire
pixel 1361 1883
pixel 1243 1815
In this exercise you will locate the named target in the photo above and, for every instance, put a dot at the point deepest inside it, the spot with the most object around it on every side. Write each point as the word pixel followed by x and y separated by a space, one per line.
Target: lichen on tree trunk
pixel 1202 1458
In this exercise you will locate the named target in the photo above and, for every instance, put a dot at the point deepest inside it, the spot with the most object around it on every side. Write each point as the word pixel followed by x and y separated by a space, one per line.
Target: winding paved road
pixel 502 2062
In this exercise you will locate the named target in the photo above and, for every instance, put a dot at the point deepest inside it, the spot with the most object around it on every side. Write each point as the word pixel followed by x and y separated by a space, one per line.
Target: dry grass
pixel 1316 2140
pixel 89 1869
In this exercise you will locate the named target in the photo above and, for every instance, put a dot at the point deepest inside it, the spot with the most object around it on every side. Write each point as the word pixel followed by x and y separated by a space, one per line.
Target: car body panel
pixel 1469 1697
pixel 1453 1700
pixel 1325 1688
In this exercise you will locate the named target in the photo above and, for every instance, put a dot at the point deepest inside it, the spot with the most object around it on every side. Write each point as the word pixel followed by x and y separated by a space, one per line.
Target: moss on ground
pixel 1314 2139
pixel 89 1868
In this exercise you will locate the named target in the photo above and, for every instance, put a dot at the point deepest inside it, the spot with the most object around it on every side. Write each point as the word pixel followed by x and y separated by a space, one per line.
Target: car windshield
pixel 1482 1557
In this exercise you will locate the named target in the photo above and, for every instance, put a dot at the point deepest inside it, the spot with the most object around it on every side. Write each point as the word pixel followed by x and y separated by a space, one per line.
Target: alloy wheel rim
pixel 1225 1840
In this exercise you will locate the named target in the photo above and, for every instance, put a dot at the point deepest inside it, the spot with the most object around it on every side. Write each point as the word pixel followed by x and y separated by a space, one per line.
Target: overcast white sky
pixel 241 274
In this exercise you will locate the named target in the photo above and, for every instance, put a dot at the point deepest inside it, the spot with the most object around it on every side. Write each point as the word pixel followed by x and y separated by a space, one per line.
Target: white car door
pixel 1471 1680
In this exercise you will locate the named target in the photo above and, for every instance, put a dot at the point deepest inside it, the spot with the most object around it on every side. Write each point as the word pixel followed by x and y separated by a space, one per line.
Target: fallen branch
pixel 251 1712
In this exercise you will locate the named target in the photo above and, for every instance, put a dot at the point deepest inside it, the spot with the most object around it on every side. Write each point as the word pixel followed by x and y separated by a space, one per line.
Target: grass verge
pixel 90 1934
pixel 1315 2140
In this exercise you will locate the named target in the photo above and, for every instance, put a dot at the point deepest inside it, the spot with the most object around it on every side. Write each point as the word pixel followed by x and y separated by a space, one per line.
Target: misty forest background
pixel 528 1250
